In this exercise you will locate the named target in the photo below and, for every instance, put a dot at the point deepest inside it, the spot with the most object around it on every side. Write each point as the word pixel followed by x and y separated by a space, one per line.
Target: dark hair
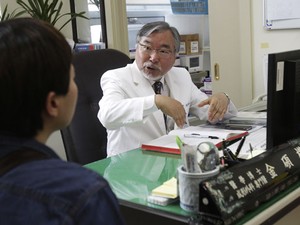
pixel 35 59
pixel 159 26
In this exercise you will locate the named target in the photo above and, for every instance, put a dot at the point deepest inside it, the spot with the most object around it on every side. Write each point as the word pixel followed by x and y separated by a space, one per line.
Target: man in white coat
pixel 131 111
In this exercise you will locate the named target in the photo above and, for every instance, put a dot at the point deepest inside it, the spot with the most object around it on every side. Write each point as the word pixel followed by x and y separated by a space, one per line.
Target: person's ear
pixel 52 104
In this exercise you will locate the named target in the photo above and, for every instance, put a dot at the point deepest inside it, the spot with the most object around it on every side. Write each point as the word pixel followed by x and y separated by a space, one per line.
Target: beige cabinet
pixel 230 49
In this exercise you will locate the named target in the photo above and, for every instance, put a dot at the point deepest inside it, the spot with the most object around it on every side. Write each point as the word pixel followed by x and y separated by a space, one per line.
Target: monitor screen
pixel 283 106
pixel 195 61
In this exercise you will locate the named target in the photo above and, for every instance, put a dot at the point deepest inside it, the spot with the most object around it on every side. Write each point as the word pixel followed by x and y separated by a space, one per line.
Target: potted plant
pixel 96 2
pixel 6 16
pixel 48 10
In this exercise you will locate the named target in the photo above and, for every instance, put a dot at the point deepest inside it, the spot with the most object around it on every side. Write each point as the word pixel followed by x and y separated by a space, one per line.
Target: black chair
pixel 85 138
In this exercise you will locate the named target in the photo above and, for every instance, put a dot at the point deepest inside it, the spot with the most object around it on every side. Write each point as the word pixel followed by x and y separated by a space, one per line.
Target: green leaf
pixel 48 10
pixel 14 14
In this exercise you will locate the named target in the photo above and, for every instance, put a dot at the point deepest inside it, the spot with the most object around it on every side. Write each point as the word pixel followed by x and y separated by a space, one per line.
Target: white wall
pixel 55 142
pixel 264 42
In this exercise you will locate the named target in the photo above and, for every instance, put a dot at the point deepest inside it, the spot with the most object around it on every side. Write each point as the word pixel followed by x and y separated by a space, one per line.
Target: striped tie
pixel 157 87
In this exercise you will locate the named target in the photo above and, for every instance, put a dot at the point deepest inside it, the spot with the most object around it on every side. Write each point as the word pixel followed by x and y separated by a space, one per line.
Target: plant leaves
pixel 48 10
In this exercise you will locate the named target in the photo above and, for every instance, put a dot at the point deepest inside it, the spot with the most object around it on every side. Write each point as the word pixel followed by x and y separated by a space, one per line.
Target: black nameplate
pixel 234 192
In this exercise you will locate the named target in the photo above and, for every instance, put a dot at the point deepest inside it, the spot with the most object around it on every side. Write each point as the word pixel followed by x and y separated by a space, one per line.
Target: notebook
pixel 193 135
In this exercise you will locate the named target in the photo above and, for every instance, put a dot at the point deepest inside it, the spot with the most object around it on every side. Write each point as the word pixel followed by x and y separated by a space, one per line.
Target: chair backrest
pixel 85 138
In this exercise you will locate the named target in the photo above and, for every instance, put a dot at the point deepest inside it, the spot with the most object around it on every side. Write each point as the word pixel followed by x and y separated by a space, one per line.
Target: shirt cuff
pixel 149 105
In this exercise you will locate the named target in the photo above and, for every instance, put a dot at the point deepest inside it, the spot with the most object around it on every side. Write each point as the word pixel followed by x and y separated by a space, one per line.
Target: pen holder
pixel 188 186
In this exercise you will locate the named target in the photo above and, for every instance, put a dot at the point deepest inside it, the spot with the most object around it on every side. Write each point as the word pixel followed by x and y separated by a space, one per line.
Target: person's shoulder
pixel 71 186
pixel 179 72
pixel 74 169
pixel 59 171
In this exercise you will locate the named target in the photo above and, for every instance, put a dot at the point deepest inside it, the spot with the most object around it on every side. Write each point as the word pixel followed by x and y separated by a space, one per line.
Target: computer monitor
pixel 283 106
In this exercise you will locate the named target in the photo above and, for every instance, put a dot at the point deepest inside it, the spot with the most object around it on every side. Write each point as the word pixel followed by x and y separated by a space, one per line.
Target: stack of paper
pixel 192 135
pixel 255 118
pixel 164 194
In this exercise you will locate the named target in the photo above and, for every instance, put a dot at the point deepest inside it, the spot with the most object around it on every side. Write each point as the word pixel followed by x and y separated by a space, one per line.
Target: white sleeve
pixel 117 109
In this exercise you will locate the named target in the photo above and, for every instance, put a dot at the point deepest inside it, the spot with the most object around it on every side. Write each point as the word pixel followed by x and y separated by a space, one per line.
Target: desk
pixel 133 175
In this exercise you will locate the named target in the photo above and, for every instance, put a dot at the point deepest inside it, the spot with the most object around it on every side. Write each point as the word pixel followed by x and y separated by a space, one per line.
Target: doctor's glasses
pixel 162 52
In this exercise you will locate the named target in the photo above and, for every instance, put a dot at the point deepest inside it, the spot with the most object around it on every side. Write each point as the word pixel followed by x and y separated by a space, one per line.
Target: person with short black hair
pixel 37 97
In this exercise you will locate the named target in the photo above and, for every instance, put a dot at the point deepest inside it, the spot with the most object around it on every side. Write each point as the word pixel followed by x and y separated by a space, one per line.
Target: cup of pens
pixel 199 163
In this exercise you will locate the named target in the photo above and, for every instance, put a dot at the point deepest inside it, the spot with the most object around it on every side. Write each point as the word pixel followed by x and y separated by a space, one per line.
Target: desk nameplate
pixel 244 187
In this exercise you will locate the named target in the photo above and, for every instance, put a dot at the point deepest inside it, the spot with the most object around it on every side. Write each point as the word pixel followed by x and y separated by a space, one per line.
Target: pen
pixel 251 149
pixel 228 155
pixel 238 150
pixel 195 135
pixel 225 153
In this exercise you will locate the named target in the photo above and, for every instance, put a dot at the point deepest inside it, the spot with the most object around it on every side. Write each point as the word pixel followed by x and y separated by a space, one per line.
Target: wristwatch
pixel 227 97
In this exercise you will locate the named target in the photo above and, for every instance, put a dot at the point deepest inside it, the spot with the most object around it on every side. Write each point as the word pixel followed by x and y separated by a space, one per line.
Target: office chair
pixel 85 138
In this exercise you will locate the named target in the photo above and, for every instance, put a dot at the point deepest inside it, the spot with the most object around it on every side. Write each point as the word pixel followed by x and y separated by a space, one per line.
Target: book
pixel 193 135
pixel 80 47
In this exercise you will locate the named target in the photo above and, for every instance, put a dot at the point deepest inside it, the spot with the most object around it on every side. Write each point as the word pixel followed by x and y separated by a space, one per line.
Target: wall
pixel 55 142
pixel 264 42
pixel 116 25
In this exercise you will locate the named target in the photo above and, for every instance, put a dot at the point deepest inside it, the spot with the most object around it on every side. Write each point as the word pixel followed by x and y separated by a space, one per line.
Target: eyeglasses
pixel 162 52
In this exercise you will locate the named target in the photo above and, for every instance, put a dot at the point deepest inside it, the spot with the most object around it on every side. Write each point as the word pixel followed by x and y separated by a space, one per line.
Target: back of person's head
pixel 157 27
pixel 35 59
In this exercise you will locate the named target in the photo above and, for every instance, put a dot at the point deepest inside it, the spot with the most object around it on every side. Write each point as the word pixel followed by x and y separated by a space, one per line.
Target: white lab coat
pixel 127 108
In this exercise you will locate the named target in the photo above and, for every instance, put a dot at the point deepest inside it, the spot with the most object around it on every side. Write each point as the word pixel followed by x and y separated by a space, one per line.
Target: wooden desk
pixel 133 175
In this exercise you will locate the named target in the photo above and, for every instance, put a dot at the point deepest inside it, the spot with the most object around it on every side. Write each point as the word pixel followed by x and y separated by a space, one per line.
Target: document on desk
pixel 255 140
pixel 253 118
pixel 192 135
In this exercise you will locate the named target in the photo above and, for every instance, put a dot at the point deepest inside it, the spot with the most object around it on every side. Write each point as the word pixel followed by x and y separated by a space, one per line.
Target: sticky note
pixel 168 189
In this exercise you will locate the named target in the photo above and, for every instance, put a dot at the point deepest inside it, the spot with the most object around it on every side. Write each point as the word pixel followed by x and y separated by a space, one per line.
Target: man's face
pixel 155 54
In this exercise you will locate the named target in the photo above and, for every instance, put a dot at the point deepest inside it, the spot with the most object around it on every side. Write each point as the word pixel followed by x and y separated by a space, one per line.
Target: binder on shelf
pixel 193 135
pixel 80 47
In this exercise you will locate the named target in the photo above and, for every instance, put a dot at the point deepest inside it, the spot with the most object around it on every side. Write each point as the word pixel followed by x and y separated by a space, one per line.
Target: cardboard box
pixel 189 44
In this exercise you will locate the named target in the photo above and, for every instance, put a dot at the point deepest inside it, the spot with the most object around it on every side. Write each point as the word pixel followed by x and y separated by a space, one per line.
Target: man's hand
pixel 171 107
pixel 218 106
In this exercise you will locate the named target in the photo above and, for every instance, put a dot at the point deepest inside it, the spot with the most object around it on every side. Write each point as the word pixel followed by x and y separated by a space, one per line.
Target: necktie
pixel 157 87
